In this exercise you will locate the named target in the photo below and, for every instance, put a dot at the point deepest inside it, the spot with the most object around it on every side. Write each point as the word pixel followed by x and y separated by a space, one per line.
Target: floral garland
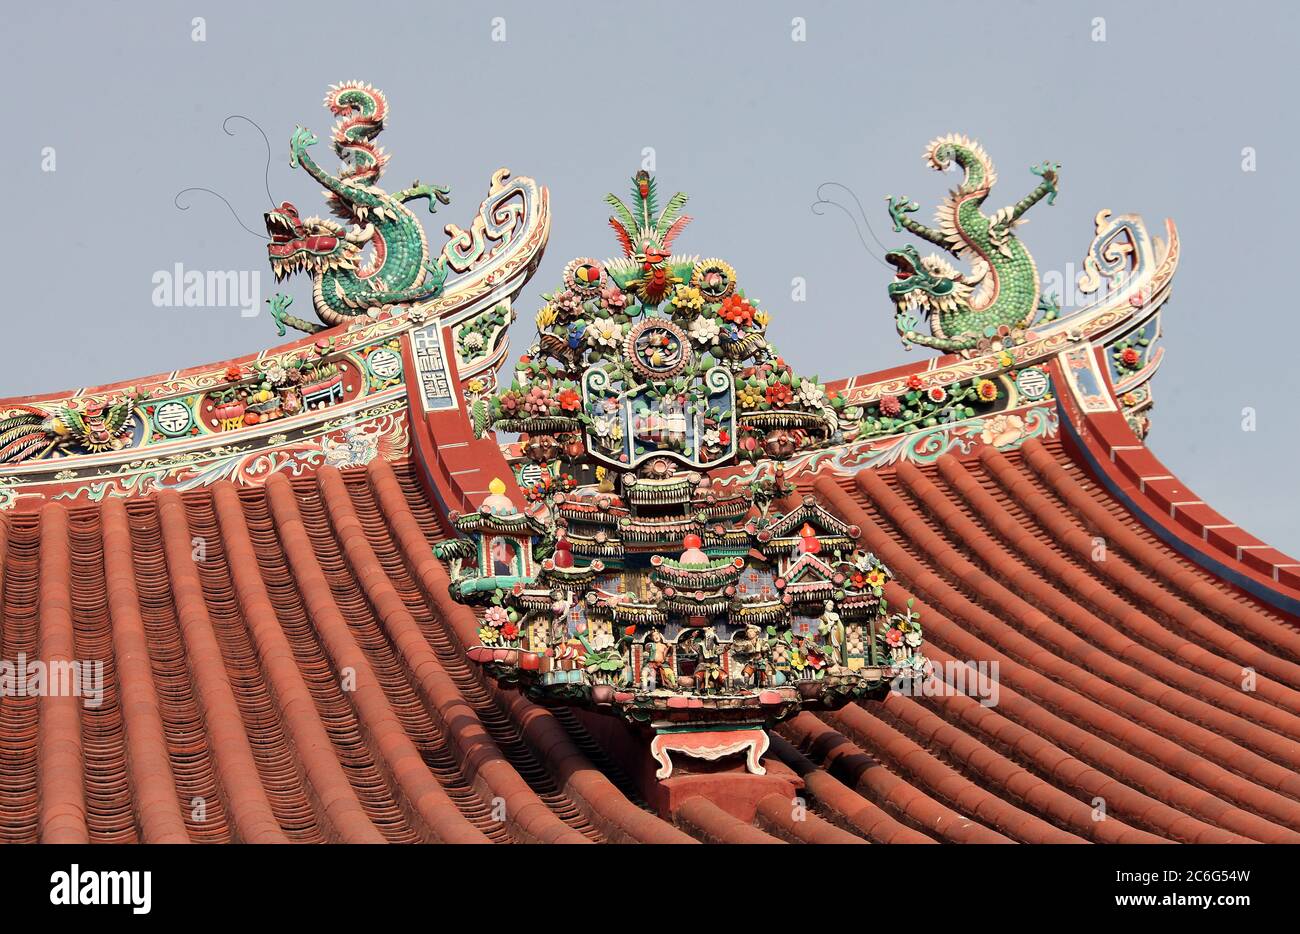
pixel 538 391
pixel 902 639
pixel 500 626
pixel 473 338
pixel 921 407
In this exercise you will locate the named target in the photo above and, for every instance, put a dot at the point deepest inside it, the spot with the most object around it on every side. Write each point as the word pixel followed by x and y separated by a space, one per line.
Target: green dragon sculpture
pixel 397 270
pixel 1000 295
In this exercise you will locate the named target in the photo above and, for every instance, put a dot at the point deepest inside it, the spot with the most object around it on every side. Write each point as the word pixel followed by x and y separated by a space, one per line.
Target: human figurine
pixel 831 631
pixel 624 646
pixel 504 557
pixel 655 670
pixel 749 655
pixel 708 668
pixel 687 649
pixel 561 604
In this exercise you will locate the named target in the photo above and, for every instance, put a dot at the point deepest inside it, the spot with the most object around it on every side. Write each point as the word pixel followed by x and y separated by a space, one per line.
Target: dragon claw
pixel 279 303
pixel 1049 172
pixel 898 206
pixel 437 272
pixel 436 194
pixel 1049 307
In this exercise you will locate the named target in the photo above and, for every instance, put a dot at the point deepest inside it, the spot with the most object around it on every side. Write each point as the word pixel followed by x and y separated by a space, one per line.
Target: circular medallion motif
pixel 172 418
pixel 657 348
pixel 584 277
pixel 530 475
pixel 1032 383
pixel 384 363
pixel 715 278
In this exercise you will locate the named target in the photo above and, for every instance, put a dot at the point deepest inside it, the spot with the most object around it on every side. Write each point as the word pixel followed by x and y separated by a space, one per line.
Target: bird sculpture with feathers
pixel 647 235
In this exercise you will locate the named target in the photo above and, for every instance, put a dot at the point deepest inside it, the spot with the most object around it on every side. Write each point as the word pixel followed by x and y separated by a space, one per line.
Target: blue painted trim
pixel 1278 601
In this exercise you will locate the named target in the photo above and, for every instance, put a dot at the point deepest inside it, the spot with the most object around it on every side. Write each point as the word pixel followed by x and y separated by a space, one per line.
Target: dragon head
pixel 928 283
pixel 313 244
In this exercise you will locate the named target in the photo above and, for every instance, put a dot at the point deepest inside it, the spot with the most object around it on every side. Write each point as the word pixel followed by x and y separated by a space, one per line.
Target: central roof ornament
pixel 638 581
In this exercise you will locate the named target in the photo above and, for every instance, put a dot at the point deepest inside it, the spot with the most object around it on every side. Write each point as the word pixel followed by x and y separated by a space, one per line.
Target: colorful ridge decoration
pixel 633 583
pixel 339 398
pixel 88 426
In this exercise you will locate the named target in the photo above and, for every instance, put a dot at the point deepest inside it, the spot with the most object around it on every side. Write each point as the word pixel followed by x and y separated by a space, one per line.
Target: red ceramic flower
pixel 736 310
pixel 779 394
pixel 914 382
pixel 1129 356
pixel 890 407
pixel 937 394
pixel 894 637
pixel 509 630
pixel 233 373
pixel 569 400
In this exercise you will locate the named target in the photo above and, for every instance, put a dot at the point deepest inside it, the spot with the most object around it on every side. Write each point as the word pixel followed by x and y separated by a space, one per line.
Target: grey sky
pixel 1153 120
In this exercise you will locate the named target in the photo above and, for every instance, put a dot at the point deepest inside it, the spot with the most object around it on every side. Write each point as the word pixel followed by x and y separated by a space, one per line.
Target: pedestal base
pixel 727 783
pixel 710 745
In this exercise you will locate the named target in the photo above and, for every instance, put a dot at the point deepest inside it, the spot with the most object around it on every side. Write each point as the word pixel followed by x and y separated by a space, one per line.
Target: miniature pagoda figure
pixel 700 610
pixel 503 538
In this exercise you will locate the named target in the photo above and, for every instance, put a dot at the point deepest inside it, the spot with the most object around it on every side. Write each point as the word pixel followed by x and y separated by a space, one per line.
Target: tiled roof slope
pixel 301 680
pixel 284 663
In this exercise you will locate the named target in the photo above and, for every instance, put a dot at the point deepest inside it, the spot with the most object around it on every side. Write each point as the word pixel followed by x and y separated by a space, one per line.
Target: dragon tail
pixel 362 110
